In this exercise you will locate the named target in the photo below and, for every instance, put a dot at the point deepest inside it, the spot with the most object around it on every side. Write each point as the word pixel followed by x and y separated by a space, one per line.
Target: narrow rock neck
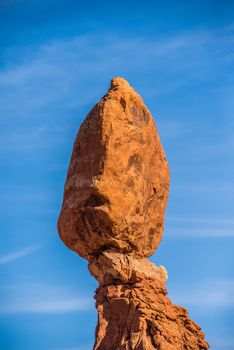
pixel 128 287
pixel 113 267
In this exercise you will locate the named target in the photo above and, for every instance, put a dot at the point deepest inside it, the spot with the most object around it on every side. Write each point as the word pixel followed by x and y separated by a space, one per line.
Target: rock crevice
pixel 113 211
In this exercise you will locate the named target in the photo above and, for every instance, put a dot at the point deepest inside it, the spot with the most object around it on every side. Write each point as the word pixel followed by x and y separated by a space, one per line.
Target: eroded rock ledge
pixel 113 210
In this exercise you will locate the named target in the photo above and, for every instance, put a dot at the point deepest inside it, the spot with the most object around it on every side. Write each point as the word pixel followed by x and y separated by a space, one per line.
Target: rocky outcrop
pixel 133 310
pixel 113 210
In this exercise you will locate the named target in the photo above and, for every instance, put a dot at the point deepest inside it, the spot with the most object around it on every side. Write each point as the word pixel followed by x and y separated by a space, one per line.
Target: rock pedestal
pixel 113 210
pixel 133 310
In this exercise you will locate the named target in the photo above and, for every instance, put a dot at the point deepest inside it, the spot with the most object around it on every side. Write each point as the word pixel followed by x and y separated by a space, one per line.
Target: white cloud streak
pixel 48 306
pixel 56 68
pixel 196 220
pixel 4 259
pixel 193 188
pixel 189 227
pixel 41 299
pixel 212 295
pixel 60 77
pixel 199 232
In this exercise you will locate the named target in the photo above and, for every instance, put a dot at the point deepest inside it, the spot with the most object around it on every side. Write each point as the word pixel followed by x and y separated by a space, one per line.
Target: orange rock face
pixel 113 210
pixel 118 179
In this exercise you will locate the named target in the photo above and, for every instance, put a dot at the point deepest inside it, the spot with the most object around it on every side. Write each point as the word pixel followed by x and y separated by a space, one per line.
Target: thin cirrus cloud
pixel 214 295
pixel 33 139
pixel 58 69
pixel 48 306
pixel 196 220
pixel 201 228
pixel 4 259
pixel 201 232
pixel 60 76
pixel 40 299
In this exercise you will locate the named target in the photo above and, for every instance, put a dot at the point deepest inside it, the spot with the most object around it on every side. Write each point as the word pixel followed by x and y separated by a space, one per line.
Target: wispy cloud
pixel 37 298
pixel 48 306
pixel 205 221
pixel 193 188
pixel 210 294
pixel 60 77
pixel 63 77
pixel 35 139
pixel 189 227
pixel 4 259
pixel 199 232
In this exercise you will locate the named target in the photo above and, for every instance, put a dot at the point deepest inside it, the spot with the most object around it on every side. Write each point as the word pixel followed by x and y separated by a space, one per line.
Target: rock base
pixel 134 311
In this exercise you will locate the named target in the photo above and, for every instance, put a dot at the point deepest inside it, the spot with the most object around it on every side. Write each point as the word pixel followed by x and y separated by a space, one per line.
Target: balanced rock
pixel 118 180
pixel 113 210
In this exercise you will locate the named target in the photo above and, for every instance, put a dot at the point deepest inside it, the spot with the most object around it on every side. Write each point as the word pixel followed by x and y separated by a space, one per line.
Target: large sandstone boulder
pixel 118 179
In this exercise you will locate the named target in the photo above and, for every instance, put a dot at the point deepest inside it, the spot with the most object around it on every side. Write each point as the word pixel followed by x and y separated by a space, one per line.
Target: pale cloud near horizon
pixel 4 259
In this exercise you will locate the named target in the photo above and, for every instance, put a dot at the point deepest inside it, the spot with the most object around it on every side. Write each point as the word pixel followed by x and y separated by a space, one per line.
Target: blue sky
pixel 56 61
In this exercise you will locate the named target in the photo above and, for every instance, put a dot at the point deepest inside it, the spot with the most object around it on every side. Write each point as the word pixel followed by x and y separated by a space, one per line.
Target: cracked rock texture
pixel 118 180
pixel 113 211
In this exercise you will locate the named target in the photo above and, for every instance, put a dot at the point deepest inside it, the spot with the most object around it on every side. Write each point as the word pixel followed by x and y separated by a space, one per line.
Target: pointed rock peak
pixel 118 82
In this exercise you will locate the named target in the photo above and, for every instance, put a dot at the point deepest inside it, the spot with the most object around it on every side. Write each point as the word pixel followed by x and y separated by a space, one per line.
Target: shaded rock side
pixel 118 179
pixel 133 310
